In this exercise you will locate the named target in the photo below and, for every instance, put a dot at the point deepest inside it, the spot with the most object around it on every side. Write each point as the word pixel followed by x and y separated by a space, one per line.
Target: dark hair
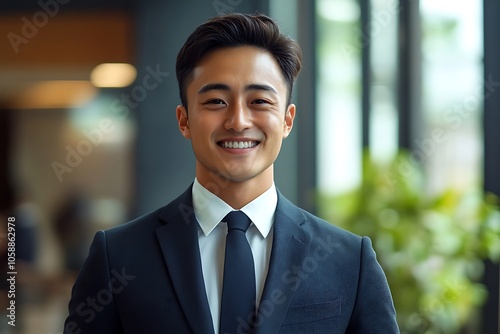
pixel 233 30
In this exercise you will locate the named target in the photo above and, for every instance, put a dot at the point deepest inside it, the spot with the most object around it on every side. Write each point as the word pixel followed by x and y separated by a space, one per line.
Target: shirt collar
pixel 210 209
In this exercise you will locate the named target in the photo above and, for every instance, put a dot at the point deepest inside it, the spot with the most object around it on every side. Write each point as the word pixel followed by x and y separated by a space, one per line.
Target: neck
pixel 237 193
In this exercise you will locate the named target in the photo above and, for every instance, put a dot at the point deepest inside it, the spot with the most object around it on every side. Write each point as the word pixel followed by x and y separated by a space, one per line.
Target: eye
pixel 260 101
pixel 215 101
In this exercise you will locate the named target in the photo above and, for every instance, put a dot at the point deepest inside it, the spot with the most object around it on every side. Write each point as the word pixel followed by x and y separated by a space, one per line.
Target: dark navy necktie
pixel 238 285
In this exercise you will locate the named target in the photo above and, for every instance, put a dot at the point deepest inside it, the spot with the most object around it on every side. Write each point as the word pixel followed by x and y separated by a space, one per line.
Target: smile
pixel 238 144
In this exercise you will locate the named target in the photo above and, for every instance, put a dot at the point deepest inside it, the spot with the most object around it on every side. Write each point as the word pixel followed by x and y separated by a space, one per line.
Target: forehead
pixel 241 65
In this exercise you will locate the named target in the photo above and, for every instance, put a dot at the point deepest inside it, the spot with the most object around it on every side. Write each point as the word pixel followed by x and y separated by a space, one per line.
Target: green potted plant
pixel 432 249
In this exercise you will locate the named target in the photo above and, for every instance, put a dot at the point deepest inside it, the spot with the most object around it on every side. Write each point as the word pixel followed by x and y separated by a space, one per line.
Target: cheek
pixel 208 121
pixel 273 121
pixel 277 126
pixel 202 134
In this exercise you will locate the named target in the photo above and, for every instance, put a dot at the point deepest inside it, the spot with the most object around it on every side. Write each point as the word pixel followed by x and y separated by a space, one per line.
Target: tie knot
pixel 237 220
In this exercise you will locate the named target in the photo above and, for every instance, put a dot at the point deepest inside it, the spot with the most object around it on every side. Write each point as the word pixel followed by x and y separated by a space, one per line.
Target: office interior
pixel 396 137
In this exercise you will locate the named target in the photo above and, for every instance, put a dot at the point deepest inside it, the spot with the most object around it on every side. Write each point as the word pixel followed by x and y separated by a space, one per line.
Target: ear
pixel 289 117
pixel 182 120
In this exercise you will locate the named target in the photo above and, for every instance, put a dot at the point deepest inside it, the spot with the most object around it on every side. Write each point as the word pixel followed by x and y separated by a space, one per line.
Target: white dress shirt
pixel 209 211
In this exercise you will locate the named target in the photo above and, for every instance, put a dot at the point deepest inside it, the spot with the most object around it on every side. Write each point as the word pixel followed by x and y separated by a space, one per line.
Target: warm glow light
pixel 55 94
pixel 113 75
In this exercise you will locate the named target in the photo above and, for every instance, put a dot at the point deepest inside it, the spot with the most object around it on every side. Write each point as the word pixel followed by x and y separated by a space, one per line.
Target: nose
pixel 238 118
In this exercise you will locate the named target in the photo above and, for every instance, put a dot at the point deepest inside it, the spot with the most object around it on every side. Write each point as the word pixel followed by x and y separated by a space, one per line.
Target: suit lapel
pixel 290 246
pixel 179 243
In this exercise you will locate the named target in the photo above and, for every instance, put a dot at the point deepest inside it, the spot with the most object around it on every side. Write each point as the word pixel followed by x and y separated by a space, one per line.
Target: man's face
pixel 237 116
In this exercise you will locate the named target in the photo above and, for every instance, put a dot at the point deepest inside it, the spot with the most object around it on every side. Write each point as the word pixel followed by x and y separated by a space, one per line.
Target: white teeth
pixel 238 144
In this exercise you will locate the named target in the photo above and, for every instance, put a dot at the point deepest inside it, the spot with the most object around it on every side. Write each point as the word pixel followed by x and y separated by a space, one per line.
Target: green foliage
pixel 432 249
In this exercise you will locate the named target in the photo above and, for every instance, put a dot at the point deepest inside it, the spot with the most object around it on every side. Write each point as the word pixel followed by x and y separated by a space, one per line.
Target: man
pixel 231 254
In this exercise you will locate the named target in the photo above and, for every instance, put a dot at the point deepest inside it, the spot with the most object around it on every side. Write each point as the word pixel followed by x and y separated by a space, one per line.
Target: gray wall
pixel 165 162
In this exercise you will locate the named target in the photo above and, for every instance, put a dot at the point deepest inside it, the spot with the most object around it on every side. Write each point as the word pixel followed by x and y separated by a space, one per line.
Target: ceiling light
pixel 113 75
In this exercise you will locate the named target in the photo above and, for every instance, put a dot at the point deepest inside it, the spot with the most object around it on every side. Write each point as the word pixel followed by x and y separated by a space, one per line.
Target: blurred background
pixel 396 138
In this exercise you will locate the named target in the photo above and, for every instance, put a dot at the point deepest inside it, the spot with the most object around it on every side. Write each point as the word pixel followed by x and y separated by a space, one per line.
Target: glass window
pixel 340 43
pixel 383 127
pixel 452 90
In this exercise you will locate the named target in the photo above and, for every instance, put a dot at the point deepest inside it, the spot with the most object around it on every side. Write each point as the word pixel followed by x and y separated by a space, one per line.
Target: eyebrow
pixel 219 86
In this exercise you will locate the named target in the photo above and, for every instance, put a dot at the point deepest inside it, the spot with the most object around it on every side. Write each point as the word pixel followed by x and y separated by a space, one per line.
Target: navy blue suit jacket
pixel 145 277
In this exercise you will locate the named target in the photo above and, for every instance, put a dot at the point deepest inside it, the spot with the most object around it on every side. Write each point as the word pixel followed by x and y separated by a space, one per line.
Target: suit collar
pixel 210 209
pixel 178 240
